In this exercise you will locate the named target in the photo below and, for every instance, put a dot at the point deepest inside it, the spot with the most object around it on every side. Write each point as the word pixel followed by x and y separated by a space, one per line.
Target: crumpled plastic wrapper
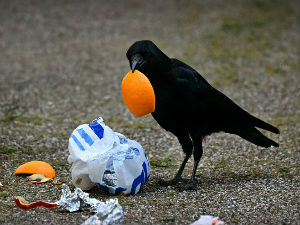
pixel 107 213
pixel 208 220
pixel 103 157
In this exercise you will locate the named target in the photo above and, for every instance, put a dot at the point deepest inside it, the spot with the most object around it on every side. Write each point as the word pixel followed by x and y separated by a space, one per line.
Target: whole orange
pixel 138 93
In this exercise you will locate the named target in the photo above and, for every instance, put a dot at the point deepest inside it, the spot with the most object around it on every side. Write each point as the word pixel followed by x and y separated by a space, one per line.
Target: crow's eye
pixel 137 57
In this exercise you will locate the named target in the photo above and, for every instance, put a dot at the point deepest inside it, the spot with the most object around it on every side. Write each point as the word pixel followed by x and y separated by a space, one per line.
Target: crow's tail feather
pixel 261 124
pixel 256 137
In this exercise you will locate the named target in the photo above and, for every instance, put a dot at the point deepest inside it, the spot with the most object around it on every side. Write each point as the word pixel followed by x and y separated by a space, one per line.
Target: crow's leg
pixel 178 177
pixel 197 153
pixel 187 146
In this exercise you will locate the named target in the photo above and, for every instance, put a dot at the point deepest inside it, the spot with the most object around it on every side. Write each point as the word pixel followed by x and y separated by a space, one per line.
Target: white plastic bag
pixel 101 156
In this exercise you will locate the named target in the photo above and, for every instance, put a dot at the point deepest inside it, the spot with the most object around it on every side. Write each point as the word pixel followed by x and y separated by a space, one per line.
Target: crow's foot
pixel 191 186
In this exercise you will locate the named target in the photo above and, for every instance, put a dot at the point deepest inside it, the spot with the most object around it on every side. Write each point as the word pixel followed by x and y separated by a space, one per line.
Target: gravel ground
pixel 61 65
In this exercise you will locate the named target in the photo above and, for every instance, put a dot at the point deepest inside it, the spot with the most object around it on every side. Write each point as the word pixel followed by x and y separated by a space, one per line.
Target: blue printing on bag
pixel 117 190
pixel 142 179
pixel 85 136
pixel 128 157
pixel 97 128
pixel 135 150
pixel 77 142
pixel 122 140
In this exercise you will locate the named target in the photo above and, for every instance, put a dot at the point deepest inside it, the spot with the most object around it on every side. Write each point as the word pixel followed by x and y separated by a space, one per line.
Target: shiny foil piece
pixel 110 178
pixel 107 213
pixel 93 220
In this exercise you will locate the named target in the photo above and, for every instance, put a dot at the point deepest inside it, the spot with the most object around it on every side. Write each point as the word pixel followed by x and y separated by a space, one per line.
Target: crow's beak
pixel 136 62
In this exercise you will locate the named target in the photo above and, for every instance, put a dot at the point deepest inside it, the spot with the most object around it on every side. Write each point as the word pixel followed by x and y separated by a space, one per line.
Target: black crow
pixel 189 107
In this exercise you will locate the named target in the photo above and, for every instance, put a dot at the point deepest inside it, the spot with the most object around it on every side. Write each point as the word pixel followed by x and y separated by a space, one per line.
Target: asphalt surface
pixel 62 63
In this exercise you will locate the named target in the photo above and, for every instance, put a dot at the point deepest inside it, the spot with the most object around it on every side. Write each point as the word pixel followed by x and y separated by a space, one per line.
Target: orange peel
pixel 138 93
pixel 38 179
pixel 21 203
pixel 36 167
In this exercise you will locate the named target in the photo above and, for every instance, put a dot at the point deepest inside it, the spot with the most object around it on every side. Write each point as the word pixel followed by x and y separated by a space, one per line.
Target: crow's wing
pixel 198 94
pixel 198 97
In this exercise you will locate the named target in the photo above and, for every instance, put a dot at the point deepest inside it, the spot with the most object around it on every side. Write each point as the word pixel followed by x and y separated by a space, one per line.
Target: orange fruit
pixel 36 167
pixel 138 93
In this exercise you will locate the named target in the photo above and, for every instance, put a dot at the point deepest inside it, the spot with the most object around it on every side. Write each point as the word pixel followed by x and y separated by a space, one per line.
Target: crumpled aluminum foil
pixel 107 213
pixel 110 178
pixel 93 220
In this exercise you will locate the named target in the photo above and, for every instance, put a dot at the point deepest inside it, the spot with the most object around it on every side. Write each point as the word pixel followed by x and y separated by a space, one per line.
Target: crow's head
pixel 146 57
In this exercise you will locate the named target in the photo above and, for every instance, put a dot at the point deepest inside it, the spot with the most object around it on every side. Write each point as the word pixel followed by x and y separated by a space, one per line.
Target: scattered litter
pixel 208 220
pixel 36 167
pixel 38 178
pixel 22 203
pixel 93 220
pixel 100 156
pixel 110 212
pixel 107 213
